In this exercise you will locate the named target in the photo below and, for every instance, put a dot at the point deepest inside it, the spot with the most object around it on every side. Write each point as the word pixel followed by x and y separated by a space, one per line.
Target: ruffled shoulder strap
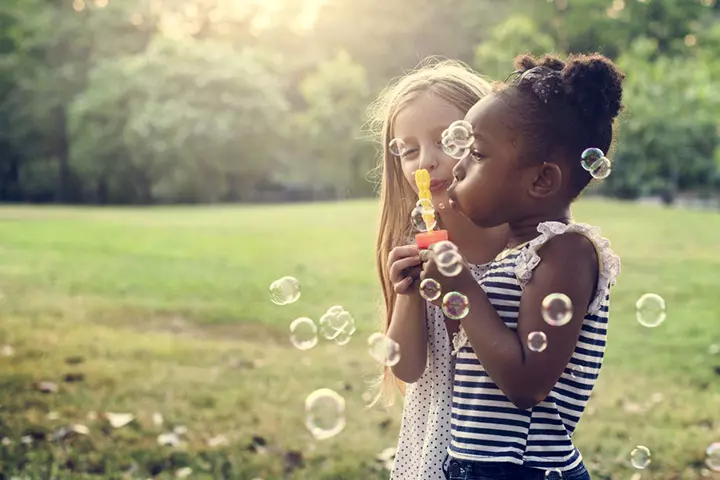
pixel 609 262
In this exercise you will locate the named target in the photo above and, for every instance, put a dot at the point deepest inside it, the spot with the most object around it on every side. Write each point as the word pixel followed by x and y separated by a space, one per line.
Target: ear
pixel 547 181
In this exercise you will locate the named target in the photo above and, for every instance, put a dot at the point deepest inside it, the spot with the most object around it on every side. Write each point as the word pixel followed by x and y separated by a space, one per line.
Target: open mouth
pixel 439 185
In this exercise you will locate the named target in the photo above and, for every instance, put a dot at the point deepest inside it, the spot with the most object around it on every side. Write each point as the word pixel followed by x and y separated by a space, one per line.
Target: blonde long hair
pixel 458 85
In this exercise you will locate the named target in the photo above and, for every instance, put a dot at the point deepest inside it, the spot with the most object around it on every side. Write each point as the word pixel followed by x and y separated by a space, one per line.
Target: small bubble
pixel 384 349
pixel 337 322
pixel 640 457
pixel 557 309
pixel 426 205
pixel 602 169
pixel 441 206
pixel 650 310
pixel 430 289
pixel 712 457
pixel 324 413
pixel 455 305
pixel 423 220
pixel 449 263
pixel 589 157
pixel 285 290
pixel 537 341
pixel 578 371
pixel 342 338
pixel 443 246
pixel 397 147
pixel 303 333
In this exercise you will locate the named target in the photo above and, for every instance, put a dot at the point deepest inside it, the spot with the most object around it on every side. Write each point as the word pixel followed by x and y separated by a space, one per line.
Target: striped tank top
pixel 485 425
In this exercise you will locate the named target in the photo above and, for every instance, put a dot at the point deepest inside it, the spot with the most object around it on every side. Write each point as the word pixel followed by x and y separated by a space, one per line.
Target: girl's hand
pixel 457 283
pixel 404 267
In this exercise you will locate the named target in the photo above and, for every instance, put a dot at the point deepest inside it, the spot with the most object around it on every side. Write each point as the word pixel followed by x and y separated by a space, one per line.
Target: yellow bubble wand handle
pixel 425 239
pixel 422 180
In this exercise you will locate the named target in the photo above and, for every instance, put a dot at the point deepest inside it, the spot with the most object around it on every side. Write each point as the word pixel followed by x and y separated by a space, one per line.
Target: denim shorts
pixel 464 470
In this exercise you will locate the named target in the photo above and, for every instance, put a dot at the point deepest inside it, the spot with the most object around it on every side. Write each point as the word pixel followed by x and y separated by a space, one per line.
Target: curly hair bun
pixel 591 83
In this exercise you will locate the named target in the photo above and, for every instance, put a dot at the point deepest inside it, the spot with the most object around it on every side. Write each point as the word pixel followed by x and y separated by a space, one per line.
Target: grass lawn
pixel 166 310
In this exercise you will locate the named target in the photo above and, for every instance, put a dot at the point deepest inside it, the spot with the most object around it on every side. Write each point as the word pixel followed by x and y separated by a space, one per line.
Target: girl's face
pixel 491 187
pixel 420 125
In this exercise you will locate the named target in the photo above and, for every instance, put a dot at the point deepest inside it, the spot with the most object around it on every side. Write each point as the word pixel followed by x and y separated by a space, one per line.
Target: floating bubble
pixel 441 206
pixel 650 310
pixel 384 349
pixel 554 474
pixel 640 457
pixel 397 147
pixel 418 216
pixel 589 157
pixel 337 322
pixel 578 371
pixel 342 338
pixel 557 309
pixel 443 246
pixel 601 169
pixel 537 341
pixel 303 333
pixel 460 133
pixel 430 289
pixel 285 290
pixel 324 413
pixel 450 264
pixel 712 457
pixel 455 305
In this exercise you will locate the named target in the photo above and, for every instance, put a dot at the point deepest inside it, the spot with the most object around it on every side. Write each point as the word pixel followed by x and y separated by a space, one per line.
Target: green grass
pixel 169 309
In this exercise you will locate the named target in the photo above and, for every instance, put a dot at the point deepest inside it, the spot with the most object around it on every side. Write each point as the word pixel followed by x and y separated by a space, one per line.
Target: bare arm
pixel 408 326
pixel 569 266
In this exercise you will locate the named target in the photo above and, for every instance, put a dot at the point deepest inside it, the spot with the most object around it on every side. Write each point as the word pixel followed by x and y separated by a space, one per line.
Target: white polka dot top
pixel 425 428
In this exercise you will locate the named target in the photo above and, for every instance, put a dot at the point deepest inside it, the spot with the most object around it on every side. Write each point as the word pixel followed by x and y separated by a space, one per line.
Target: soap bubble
pixel 443 246
pixel 640 457
pixel 324 413
pixel 303 333
pixel 397 147
pixel 455 305
pixel 589 157
pixel 430 289
pixel 449 262
pixel 554 474
pixel 712 457
pixel 337 324
pixel 650 310
pixel 285 290
pixel 460 133
pixel 601 169
pixel 557 309
pixel 384 349
pixel 537 341
pixel 418 221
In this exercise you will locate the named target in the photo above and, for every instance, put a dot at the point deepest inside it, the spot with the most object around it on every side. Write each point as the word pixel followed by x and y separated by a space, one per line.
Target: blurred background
pixel 162 162
pixel 178 101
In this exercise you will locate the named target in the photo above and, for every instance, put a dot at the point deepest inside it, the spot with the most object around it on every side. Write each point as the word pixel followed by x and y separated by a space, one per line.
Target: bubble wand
pixel 425 239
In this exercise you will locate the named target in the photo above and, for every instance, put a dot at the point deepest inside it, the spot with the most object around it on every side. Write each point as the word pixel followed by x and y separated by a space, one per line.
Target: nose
pixel 459 170
pixel 429 158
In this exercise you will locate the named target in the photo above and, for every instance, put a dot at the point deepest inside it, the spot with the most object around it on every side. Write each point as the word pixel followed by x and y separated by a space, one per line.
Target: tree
pixel 336 97
pixel 187 119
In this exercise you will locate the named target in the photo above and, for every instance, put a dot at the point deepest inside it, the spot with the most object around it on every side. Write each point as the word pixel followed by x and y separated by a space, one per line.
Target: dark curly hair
pixel 563 107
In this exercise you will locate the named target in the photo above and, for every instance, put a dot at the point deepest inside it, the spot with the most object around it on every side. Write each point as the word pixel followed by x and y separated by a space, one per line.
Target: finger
pixel 396 269
pixel 402 286
pixel 401 252
pixel 413 272
pixel 426 255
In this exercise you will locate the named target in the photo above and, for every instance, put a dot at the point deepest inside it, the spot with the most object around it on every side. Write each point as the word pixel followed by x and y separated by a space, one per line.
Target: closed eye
pixel 408 152
pixel 476 155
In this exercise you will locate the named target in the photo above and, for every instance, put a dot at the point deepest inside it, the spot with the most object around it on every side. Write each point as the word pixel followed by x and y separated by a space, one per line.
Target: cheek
pixel 408 171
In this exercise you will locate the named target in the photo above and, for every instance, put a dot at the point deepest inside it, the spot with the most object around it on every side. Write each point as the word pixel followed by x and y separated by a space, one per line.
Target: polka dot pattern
pixel 425 429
